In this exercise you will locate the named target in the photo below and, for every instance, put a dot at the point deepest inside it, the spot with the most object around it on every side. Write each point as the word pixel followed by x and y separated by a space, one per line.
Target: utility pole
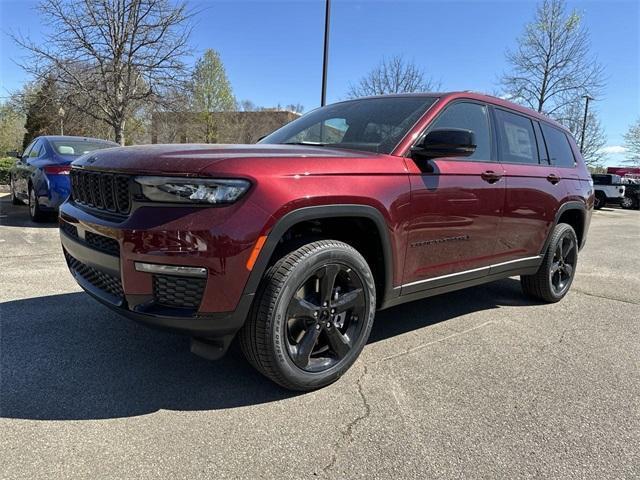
pixel 584 120
pixel 325 60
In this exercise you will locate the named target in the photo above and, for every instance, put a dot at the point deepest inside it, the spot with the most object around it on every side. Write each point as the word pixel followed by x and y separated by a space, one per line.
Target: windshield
pixel 371 124
pixel 79 147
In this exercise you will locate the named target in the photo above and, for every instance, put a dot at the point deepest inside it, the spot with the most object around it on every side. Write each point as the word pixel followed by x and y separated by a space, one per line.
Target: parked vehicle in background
pixel 631 193
pixel 608 189
pixel 40 175
pixel 626 171
pixel 294 243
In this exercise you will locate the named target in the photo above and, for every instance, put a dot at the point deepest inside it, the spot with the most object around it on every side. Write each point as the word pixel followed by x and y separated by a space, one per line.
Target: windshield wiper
pixel 309 144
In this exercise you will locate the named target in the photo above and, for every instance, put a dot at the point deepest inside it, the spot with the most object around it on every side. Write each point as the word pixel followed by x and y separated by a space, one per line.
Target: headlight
pixel 192 190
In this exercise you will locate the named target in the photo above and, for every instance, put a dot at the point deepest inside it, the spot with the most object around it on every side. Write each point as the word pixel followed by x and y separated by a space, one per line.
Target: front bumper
pixel 101 256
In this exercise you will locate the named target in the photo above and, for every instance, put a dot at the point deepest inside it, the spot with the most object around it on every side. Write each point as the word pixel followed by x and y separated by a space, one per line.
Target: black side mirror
pixel 14 153
pixel 450 142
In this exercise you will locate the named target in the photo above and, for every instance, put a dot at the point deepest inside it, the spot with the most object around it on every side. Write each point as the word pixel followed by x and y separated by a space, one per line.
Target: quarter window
pixel 517 140
pixel 559 148
pixel 469 116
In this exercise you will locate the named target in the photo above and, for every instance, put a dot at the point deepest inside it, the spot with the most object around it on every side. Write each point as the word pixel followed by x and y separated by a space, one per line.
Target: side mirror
pixel 14 154
pixel 450 142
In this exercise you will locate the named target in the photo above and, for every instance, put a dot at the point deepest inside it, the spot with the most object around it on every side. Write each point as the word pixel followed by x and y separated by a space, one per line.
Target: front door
pixel 457 205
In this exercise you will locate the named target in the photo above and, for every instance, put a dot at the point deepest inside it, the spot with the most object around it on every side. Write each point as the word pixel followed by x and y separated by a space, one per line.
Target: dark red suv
pixel 295 242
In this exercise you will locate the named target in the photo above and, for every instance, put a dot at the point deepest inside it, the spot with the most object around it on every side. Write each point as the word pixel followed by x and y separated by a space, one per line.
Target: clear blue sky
pixel 273 50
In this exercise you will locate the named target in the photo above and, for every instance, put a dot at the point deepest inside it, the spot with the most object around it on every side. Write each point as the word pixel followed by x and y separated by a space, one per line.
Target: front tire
pixel 14 200
pixel 312 316
pixel 600 200
pixel 554 277
pixel 627 203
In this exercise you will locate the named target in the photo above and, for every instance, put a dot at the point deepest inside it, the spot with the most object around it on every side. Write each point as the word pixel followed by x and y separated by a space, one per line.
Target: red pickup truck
pixel 294 243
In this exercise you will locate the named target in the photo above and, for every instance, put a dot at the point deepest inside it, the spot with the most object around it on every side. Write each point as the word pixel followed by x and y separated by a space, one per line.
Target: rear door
pixel 535 186
pixel 456 205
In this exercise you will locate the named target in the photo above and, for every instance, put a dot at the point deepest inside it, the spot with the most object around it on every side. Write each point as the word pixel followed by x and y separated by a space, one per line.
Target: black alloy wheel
pixel 312 315
pixel 558 268
pixel 324 316
pixel 565 258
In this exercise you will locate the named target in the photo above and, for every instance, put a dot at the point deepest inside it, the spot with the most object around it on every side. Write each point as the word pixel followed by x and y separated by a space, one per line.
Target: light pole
pixel 584 120
pixel 325 59
pixel 61 115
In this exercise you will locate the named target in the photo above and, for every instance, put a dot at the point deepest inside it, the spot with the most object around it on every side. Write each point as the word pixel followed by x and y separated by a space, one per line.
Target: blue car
pixel 40 176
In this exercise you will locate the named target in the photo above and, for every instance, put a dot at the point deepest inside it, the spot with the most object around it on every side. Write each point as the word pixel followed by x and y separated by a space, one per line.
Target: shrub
pixel 5 164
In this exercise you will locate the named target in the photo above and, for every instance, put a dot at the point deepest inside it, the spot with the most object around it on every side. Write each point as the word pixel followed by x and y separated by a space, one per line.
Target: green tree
pixel 11 128
pixel 632 143
pixel 552 68
pixel 42 110
pixel 211 92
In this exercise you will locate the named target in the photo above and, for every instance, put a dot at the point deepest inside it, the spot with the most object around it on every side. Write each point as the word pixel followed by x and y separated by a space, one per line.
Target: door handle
pixel 490 176
pixel 553 178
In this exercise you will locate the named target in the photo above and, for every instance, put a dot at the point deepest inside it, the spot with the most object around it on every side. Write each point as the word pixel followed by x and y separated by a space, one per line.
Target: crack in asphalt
pixel 582 292
pixel 347 434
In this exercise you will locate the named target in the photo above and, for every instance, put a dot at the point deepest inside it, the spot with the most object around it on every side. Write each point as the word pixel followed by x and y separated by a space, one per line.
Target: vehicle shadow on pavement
pixel 65 357
pixel 18 216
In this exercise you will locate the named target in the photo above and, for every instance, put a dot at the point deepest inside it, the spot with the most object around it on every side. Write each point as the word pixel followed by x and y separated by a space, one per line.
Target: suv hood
pixel 193 159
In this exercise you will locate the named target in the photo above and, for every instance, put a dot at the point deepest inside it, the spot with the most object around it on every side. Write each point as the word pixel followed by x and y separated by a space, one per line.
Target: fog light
pixel 171 269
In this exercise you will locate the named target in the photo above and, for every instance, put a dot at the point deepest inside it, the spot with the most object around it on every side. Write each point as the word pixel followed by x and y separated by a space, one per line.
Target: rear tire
pixel 311 317
pixel 600 200
pixel 35 212
pixel 554 277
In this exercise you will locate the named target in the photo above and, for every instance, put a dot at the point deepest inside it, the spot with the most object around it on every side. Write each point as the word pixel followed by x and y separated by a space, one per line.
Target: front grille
pixel 178 292
pixel 104 191
pixel 98 279
pixel 102 243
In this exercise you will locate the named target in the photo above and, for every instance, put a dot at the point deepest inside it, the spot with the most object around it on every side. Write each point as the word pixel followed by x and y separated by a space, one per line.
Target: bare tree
pixel 552 68
pixel 393 75
pixel 632 143
pixel 112 55
pixel 572 117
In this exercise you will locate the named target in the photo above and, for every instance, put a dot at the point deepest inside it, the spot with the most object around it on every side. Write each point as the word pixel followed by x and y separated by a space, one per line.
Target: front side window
pixel 517 140
pixel 370 124
pixel 468 116
pixel 558 146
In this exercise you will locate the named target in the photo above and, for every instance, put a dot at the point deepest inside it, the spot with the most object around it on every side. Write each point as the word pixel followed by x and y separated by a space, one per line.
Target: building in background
pixel 230 127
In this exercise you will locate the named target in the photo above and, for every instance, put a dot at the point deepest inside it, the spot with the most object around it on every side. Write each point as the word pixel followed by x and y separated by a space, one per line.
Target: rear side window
pixel 560 152
pixel 601 179
pixel 517 140
pixel 469 116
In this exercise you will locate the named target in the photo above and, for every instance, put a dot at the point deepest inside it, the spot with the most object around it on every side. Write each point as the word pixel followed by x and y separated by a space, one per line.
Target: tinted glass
pixel 372 124
pixel 517 140
pixel 468 116
pixel 558 146
pixel 601 179
pixel 78 147
pixel 35 150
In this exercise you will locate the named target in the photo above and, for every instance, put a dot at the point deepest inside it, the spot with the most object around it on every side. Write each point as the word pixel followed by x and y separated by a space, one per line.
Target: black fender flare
pixel 572 205
pixel 317 212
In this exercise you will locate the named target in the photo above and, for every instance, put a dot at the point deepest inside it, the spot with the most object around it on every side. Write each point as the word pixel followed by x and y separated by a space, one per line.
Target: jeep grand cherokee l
pixel 295 242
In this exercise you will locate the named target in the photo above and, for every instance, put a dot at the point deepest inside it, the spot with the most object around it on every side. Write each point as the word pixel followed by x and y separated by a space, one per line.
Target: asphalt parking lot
pixel 480 383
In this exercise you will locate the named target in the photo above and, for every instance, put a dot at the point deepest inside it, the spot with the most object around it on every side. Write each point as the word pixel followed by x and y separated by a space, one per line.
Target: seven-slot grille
pixel 105 191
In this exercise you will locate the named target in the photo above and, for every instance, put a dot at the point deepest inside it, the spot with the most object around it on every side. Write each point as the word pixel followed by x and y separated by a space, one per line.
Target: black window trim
pixel 532 120
pixel 493 148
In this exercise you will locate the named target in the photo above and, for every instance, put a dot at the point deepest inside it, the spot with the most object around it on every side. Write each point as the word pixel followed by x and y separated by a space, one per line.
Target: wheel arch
pixel 573 213
pixel 323 213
